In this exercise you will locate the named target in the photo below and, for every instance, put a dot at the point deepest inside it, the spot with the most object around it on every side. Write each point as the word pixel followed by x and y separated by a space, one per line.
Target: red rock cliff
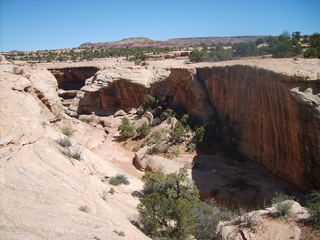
pixel 278 118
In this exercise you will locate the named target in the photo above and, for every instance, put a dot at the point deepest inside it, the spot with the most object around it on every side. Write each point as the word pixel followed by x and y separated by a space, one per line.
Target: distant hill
pixel 141 42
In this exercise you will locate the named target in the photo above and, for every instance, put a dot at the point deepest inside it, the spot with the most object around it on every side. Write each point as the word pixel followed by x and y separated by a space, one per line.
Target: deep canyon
pixel 277 115
pixel 275 105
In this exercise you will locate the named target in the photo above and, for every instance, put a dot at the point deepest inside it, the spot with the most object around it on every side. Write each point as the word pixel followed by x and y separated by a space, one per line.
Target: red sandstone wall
pixel 276 129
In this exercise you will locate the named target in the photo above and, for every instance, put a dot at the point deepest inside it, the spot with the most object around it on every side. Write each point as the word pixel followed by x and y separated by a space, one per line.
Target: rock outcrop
pixel 189 93
pixel 277 118
pixel 73 78
pixel 261 225
pixel 41 188
pixel 112 89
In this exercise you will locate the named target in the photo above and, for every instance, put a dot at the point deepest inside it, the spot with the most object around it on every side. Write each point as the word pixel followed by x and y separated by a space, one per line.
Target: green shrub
pixel 280 197
pixel 174 153
pixel 119 179
pixel 155 137
pixel 149 103
pixel 158 149
pixel 167 113
pixel 191 147
pixel 207 219
pixel 314 207
pixel 64 142
pixel 178 131
pixel 67 130
pixel 284 208
pixel 126 129
pixel 283 203
pixel 136 148
pixel 85 209
pixel 166 209
pixel 144 130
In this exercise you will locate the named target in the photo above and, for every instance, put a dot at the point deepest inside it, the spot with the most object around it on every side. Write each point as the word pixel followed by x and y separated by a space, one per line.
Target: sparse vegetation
pixel 112 191
pixel 314 207
pixel 119 179
pixel 283 203
pixel 120 233
pixel 144 130
pixel 67 130
pixel 64 142
pixel 85 209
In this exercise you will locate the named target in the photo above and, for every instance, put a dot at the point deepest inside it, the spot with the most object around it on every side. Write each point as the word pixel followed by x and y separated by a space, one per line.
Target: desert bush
pixel 167 113
pixel 85 209
pixel 314 207
pixel 120 233
pixel 119 179
pixel 75 152
pixel 178 131
pixel 280 197
pixel 174 153
pixel 191 147
pixel 112 191
pixel 283 203
pixel 126 129
pixel 64 142
pixel 144 130
pixel 158 149
pixel 67 130
pixel 155 137
pixel 149 103
pixel 247 220
pixel 284 208
pixel 166 210
pixel 136 148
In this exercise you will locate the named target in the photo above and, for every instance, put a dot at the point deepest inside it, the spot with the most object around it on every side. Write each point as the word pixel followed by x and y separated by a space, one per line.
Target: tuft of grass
pixel 174 153
pixel 120 233
pixel 247 221
pixel 283 203
pixel 85 209
pixel 67 130
pixel 64 142
pixel 112 191
pixel 284 208
pixel 119 179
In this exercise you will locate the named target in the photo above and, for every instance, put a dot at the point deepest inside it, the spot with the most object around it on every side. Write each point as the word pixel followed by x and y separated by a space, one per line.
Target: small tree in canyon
pixel 126 129
pixel 167 208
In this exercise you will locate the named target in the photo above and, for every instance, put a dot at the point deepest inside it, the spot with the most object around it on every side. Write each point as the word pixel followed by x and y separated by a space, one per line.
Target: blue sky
pixel 30 25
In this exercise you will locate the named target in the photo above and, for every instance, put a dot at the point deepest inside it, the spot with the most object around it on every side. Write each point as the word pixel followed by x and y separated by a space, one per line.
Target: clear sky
pixel 30 25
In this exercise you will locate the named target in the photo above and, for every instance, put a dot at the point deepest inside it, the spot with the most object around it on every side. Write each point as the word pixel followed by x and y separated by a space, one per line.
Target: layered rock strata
pixel 277 118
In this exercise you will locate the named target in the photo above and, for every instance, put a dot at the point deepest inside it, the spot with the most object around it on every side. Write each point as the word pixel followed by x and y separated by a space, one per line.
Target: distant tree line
pixel 283 46
pixel 138 54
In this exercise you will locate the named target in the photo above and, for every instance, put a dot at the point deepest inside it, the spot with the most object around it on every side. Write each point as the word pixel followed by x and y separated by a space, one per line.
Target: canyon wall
pixel 277 118
pixel 276 115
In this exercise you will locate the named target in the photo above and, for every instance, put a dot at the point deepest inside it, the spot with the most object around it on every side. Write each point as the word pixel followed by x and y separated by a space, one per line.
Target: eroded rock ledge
pixel 277 115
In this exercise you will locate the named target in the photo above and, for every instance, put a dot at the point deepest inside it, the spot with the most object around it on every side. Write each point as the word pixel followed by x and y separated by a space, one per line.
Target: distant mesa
pixel 140 42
